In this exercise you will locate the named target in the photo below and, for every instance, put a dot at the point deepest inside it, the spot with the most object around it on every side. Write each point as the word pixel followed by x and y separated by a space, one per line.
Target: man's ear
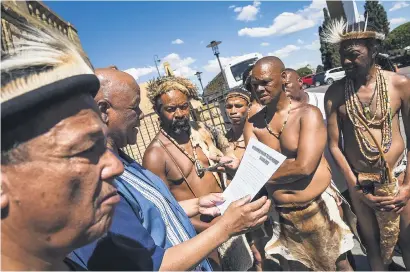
pixel 104 106
pixel 283 77
pixel 4 195
pixel 300 81
pixel 157 106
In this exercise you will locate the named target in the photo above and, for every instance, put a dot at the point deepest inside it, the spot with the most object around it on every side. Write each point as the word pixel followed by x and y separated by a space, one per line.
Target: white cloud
pixel 399 5
pixel 289 22
pixel 213 66
pixel 299 65
pixel 139 72
pixel 316 5
pixel 315 45
pixel 248 13
pixel 177 41
pixel 232 6
pixel 265 44
pixel 285 51
pixel 300 41
pixel 397 21
pixel 181 66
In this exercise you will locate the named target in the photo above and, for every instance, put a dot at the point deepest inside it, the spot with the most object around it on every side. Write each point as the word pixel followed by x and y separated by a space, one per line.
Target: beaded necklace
pixel 366 107
pixel 235 143
pixel 268 127
pixel 198 167
pixel 355 107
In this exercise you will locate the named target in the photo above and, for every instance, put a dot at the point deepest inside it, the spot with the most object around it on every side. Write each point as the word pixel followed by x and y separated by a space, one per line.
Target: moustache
pixel 180 125
pixel 180 122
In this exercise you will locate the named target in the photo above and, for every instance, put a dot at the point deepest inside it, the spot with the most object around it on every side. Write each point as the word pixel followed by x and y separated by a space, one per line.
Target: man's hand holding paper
pixel 258 164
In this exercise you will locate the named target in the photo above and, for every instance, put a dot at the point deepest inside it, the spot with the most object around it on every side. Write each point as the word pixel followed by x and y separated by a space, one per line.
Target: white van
pixel 234 70
pixel 334 74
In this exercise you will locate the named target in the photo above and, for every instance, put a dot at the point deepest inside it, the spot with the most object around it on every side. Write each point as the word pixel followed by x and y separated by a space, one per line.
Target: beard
pixel 354 71
pixel 180 126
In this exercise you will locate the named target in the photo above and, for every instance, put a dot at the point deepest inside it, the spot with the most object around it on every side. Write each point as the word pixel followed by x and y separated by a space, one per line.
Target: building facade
pixel 37 14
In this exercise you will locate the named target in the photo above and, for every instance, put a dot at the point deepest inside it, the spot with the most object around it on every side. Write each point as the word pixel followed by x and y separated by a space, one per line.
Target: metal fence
pixel 211 113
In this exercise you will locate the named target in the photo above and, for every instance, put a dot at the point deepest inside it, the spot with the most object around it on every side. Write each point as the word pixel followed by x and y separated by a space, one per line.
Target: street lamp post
pixel 215 49
pixel 198 74
pixel 157 60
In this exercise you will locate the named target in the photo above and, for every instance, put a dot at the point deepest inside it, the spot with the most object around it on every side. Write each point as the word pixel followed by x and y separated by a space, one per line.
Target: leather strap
pixel 176 164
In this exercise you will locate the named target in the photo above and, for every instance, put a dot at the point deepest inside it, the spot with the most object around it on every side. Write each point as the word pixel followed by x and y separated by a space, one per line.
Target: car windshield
pixel 238 69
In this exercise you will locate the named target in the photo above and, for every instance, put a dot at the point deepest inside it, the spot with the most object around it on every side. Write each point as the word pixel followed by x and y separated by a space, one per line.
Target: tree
pixel 399 38
pixel 377 16
pixel 330 52
pixel 320 69
pixel 304 71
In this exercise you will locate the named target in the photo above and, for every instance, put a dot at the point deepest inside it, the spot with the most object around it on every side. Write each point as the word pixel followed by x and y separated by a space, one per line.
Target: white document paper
pixel 258 165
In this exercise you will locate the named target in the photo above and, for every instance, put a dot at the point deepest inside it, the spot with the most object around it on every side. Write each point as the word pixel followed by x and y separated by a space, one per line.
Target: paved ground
pixel 360 258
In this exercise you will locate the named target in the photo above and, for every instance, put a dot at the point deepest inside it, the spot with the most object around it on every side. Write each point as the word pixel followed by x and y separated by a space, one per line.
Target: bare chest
pixel 182 175
pixel 370 101
pixel 288 140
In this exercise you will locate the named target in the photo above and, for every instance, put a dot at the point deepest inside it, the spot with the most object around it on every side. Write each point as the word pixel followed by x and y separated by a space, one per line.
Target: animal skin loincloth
pixel 389 222
pixel 314 234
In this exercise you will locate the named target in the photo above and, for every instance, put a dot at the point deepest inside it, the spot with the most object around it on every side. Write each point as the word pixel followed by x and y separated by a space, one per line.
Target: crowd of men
pixel 71 199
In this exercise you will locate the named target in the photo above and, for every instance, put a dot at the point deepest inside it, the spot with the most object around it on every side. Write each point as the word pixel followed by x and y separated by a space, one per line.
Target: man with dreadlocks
pixel 182 150
pixel 364 107
pixel 151 231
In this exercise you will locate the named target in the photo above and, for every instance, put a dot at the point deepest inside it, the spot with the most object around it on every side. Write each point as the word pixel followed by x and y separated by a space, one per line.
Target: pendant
pixel 366 110
pixel 199 170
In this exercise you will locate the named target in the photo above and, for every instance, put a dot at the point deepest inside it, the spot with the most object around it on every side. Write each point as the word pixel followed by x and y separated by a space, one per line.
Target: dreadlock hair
pixel 161 85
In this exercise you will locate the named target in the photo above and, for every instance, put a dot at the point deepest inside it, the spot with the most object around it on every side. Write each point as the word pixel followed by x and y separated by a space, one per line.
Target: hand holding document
pixel 258 164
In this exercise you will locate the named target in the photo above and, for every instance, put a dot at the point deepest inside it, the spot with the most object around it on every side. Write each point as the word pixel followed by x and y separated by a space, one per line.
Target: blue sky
pixel 128 34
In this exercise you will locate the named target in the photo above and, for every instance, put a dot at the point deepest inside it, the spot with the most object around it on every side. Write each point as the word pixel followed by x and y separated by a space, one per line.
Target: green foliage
pixel 399 38
pixel 320 69
pixel 330 52
pixel 304 71
pixel 377 15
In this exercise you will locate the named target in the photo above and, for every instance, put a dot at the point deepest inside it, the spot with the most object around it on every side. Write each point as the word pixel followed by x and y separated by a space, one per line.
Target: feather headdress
pixel 43 65
pixel 40 57
pixel 163 85
pixel 338 31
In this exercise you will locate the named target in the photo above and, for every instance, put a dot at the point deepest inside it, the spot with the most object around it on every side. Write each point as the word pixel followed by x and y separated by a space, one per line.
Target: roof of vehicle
pixel 334 69
pixel 243 58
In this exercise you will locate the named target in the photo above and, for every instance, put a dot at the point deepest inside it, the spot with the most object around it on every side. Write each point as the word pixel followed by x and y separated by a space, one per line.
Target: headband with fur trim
pixel 163 85
pixel 339 31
